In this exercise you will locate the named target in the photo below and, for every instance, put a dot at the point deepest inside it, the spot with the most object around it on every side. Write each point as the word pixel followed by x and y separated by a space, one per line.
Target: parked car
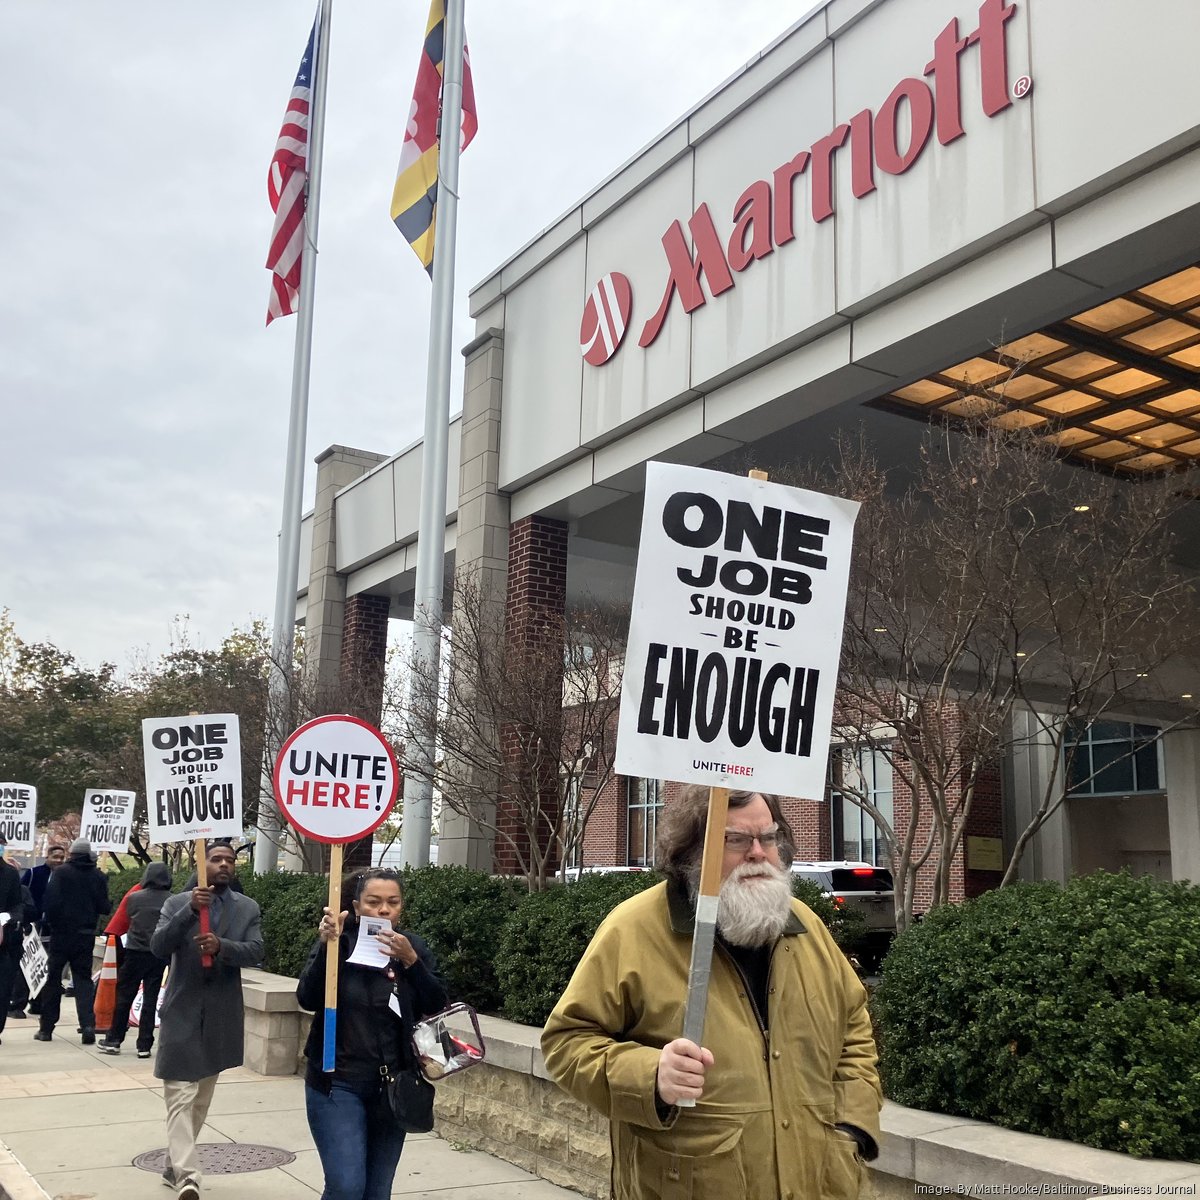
pixel 865 888
pixel 573 873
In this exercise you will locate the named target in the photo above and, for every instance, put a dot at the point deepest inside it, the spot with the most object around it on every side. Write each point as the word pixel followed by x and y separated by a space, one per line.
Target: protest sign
pixel 107 820
pixel 35 964
pixel 193 777
pixel 336 780
pixel 18 816
pixel 735 635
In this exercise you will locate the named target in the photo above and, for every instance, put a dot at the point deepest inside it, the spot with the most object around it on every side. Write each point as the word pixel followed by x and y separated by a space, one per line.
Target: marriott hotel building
pixel 853 231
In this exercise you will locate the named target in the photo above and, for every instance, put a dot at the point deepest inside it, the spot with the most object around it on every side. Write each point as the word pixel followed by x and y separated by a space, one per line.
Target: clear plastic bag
pixel 448 1042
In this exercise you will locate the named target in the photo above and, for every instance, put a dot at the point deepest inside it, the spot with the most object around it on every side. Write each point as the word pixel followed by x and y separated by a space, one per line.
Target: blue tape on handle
pixel 329 1050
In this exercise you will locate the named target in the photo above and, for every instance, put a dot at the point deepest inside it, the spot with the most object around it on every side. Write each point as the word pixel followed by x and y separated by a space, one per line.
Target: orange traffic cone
pixel 106 988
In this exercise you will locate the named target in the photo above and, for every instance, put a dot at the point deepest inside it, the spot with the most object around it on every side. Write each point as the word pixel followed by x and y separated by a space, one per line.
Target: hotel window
pixel 1112 758
pixel 859 771
pixel 644 799
pixel 571 818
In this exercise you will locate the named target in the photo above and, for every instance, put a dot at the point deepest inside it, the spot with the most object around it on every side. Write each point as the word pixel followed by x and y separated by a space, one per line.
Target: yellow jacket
pixel 765 1127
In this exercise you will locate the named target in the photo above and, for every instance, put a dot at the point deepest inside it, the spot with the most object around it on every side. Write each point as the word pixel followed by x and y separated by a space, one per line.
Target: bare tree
pixel 524 719
pixel 996 580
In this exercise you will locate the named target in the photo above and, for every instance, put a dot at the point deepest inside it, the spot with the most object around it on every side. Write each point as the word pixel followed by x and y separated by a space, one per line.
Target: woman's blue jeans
pixel 358 1141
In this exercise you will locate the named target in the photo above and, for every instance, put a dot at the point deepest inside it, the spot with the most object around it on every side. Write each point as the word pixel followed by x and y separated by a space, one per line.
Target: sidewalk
pixel 74 1120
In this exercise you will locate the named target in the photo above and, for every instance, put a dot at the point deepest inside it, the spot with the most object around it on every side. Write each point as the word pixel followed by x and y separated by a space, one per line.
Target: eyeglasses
pixel 741 842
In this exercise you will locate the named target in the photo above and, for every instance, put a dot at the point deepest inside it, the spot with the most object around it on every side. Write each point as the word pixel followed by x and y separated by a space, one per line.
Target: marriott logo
pixel 766 214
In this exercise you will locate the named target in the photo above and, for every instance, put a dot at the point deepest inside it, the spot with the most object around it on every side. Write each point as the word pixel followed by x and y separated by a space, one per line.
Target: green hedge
pixel 291 906
pixel 1070 1012
pixel 547 935
pixel 461 913
pixel 499 948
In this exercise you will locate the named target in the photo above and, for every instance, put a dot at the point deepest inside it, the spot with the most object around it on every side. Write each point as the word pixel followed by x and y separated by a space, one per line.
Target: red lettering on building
pixel 764 215
pixel 685 271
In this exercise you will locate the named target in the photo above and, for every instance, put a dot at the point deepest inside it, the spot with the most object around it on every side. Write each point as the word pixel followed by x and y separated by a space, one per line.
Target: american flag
pixel 287 179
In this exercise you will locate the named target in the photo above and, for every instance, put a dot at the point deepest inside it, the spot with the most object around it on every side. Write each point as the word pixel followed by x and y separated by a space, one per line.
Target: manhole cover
pixel 222 1158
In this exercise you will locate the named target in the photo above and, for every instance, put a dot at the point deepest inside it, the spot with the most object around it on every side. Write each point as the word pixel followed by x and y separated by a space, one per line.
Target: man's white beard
pixel 754 914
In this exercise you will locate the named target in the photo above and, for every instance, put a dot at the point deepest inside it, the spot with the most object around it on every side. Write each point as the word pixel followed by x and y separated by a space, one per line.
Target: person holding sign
pixel 11 917
pixel 201 1031
pixel 785 1089
pixel 387 981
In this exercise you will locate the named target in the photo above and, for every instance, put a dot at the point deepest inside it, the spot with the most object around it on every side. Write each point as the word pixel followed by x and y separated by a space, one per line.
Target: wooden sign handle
pixel 704 934
pixel 329 1049
pixel 206 960
pixel 707 902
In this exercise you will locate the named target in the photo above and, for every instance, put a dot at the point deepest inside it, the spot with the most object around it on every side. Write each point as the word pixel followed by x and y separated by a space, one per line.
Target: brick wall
pixel 364 654
pixel 537 596
pixel 811 821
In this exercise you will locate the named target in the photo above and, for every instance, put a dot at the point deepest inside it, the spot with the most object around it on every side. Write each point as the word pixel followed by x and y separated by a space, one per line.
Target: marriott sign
pixel 766 214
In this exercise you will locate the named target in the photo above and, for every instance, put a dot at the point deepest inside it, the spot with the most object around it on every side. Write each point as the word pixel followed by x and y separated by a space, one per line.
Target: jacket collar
pixel 683 912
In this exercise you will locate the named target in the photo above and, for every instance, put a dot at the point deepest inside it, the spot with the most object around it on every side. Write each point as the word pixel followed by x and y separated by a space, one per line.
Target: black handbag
pixel 409 1097
pixel 407 1094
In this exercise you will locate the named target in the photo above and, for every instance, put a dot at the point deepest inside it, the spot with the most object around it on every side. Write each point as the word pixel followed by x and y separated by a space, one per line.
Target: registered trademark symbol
pixel 1022 87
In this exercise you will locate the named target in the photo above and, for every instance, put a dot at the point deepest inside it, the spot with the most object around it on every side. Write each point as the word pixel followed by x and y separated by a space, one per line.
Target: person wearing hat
pixel 76 899
pixel 11 916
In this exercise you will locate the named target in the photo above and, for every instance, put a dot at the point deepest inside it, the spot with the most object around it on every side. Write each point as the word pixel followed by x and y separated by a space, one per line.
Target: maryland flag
pixel 414 200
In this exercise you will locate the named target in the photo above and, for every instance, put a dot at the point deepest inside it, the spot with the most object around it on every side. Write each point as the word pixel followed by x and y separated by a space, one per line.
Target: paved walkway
pixel 72 1120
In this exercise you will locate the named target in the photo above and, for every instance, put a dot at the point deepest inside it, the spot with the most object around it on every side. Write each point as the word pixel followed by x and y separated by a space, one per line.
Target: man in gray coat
pixel 201 1031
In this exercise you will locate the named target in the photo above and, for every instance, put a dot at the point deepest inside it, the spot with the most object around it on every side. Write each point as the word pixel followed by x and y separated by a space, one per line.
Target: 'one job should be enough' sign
pixel 736 632
pixel 193 777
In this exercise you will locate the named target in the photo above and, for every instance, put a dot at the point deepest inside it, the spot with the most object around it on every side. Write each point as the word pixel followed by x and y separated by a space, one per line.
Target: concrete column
pixel 1182 752
pixel 1027 770
pixel 337 467
pixel 481 549
pixel 324 685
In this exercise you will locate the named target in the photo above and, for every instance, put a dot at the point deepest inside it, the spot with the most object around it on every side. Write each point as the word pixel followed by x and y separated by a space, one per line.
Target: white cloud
pixel 144 405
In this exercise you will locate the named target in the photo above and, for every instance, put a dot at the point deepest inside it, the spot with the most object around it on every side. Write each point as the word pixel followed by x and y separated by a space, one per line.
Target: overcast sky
pixel 144 404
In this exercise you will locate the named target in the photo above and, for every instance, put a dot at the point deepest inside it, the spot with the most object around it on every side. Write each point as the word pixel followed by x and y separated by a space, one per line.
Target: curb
pixel 16 1183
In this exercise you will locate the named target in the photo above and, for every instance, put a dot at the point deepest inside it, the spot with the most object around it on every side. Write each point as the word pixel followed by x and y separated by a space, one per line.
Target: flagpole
pixel 431 530
pixel 266 844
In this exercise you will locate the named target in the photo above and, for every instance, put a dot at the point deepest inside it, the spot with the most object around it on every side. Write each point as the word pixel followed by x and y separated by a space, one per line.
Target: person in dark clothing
pixel 36 879
pixel 140 968
pixel 202 1030
pixel 11 916
pixel 20 991
pixel 76 899
pixel 357 1138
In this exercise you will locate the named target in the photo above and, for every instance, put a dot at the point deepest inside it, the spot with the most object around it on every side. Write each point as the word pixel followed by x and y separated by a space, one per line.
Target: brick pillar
pixel 364 654
pixel 537 597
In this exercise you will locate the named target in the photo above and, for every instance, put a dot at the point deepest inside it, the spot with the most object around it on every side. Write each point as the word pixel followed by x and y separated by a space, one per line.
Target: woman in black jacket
pixel 355 1134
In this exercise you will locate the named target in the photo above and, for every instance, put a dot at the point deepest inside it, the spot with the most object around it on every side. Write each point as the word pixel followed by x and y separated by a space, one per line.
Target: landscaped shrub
pixel 291 907
pixel 119 882
pixel 460 913
pixel 1071 1012
pixel 547 935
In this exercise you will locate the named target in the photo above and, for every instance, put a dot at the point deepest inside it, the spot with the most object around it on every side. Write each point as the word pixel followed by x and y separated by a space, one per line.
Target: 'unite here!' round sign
pixel 336 779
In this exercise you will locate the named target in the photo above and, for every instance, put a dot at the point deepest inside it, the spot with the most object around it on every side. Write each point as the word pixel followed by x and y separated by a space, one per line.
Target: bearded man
pixel 786 1092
